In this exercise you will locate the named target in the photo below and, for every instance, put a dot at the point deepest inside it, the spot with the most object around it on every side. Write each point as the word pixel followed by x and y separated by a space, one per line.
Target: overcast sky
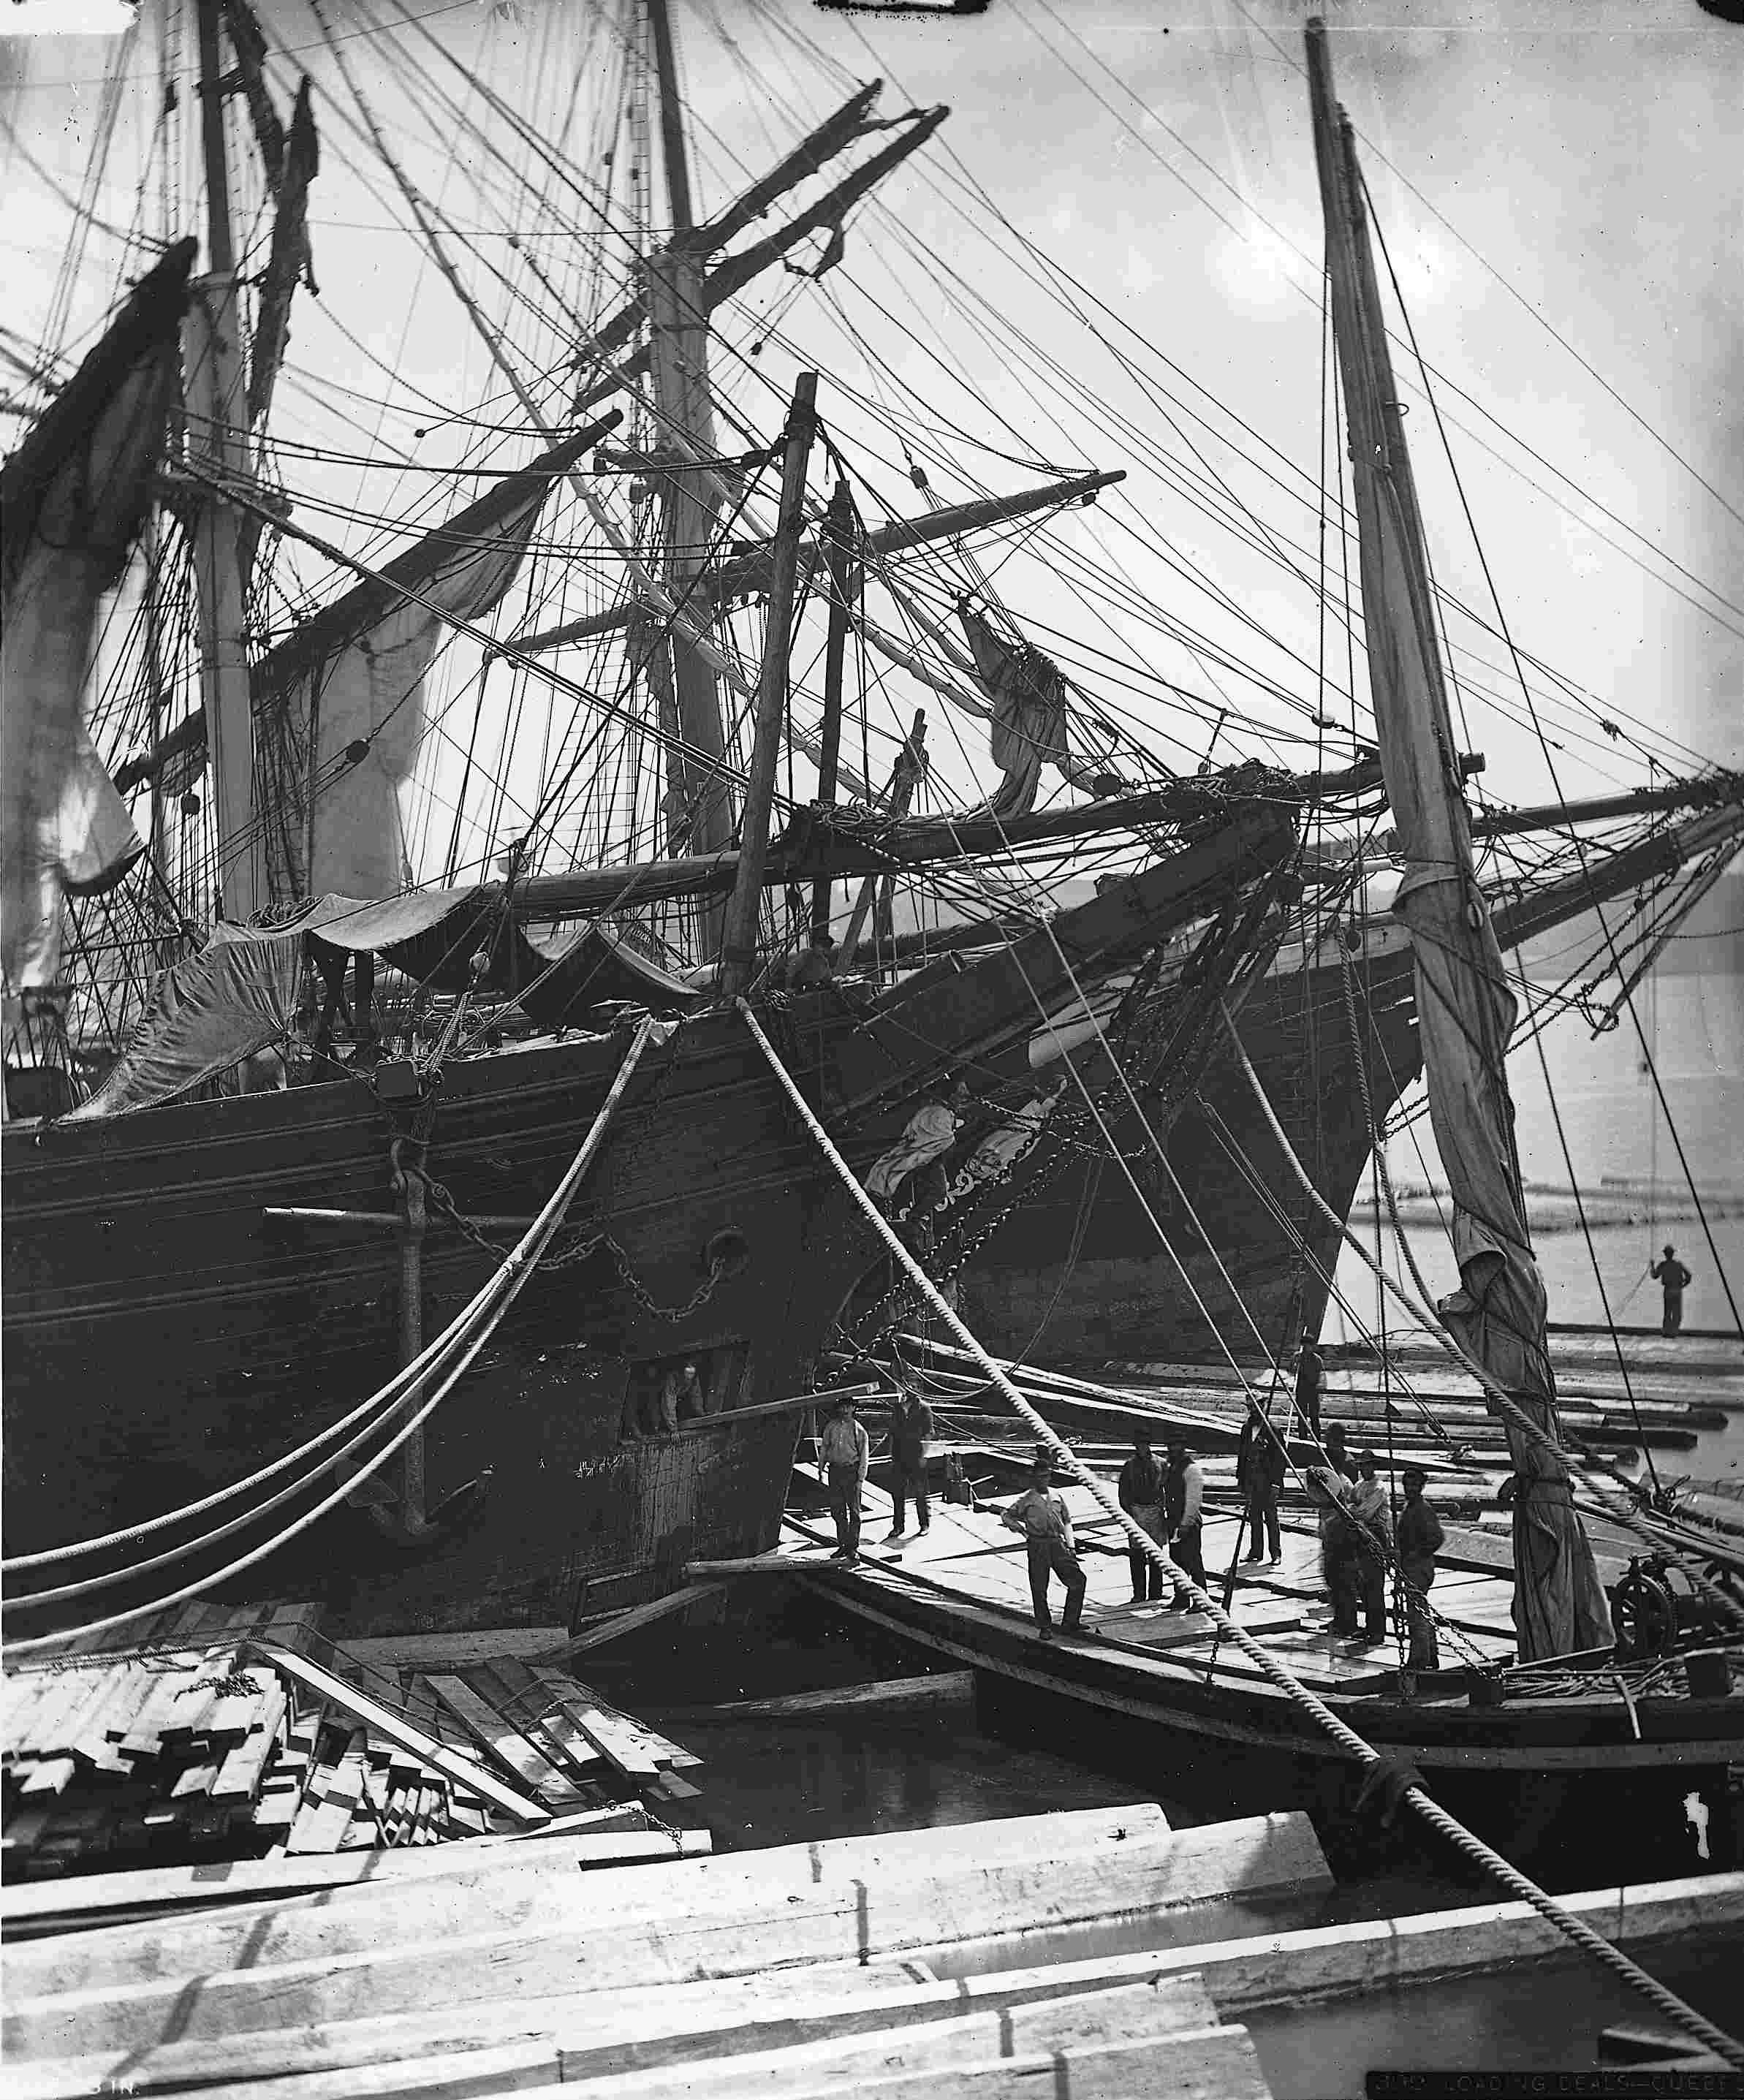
pixel 1586 177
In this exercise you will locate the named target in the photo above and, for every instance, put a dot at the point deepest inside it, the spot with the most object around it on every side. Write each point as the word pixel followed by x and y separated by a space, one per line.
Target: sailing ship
pixel 206 1286
pixel 195 1284
pixel 1628 1729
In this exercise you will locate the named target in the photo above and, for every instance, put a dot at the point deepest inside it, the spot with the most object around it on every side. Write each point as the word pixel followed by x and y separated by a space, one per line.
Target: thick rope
pixel 508 1284
pixel 1474 1848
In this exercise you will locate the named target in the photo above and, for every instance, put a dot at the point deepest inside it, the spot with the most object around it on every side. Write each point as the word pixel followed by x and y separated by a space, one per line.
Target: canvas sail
pixel 1465 1009
pixel 339 706
pixel 1028 698
pixel 73 496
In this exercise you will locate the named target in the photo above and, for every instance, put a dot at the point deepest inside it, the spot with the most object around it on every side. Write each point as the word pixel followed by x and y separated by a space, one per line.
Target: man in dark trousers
pixel 1420 1537
pixel 911 1425
pixel 1141 1498
pixel 1673 1279
pixel 1183 1515
pixel 1310 1381
pixel 1259 1470
pixel 846 1451
pixel 1046 1524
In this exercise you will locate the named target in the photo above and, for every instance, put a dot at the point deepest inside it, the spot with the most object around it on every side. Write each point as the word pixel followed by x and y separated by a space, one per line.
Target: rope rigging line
pixel 467 1334
pixel 1571 1927
pixel 1422 1310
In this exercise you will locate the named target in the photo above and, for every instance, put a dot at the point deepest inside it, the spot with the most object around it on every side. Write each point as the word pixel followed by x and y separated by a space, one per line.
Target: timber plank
pixel 451 1764
pixel 660 2021
pixel 455 1651
pixel 506 1743
pixel 543 1714
pixel 572 1942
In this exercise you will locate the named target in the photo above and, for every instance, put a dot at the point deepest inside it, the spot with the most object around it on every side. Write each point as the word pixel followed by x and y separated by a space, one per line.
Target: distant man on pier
pixel 1183 1515
pixel 1046 1524
pixel 1673 1279
pixel 1420 1539
pixel 1141 1498
pixel 911 1425
pixel 1259 1469
pixel 846 1452
pixel 1310 1382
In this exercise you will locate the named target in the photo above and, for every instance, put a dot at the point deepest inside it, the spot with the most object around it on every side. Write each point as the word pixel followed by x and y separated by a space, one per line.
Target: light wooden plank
pixel 554 1729
pixel 452 1763
pixel 330 1801
pixel 506 1743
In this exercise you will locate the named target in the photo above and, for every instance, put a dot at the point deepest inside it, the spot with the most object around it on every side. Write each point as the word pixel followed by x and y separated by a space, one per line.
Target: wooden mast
pixel 838 530
pixel 679 317
pixel 738 933
pixel 217 430
pixel 1465 1006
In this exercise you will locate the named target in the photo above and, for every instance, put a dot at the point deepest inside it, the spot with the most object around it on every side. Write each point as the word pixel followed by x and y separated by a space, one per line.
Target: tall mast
pixel 678 316
pixel 838 537
pixel 217 430
pixel 1465 1009
pixel 738 933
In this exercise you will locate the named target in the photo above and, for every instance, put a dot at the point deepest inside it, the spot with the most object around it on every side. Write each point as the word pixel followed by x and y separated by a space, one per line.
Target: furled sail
pixel 338 706
pixel 1465 1009
pixel 73 496
pixel 1028 698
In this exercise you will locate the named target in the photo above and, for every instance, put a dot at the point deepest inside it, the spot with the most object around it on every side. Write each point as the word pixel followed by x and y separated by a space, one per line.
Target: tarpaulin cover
pixel 239 993
pixel 1029 711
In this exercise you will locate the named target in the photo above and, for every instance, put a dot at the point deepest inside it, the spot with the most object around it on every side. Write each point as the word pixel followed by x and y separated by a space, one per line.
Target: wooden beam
pixel 448 1651
pixel 629 1621
pixel 397 1729
pixel 900 1691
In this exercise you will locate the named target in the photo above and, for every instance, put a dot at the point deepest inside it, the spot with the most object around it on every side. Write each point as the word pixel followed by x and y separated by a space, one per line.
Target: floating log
pixel 629 1621
pixel 903 1692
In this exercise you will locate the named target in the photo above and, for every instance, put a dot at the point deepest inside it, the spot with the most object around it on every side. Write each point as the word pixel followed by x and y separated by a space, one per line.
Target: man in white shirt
pixel 846 1451
pixel 1183 1517
pixel 1046 1524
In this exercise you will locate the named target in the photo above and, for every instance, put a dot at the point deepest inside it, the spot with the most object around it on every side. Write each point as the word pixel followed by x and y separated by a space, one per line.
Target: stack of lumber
pixel 785 1971
pixel 161 1746
pixel 246 1733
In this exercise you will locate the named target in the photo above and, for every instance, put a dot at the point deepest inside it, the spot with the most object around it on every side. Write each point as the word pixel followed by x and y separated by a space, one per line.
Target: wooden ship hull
pixel 166 1334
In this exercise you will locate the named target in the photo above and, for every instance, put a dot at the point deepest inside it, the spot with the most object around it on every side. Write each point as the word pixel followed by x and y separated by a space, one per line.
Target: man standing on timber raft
pixel 1673 1279
pixel 846 1451
pixel 911 1425
pixel 1183 1515
pixel 1046 1524
pixel 1310 1379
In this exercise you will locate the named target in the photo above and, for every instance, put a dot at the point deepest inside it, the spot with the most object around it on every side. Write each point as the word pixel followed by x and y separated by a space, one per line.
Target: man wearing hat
pixel 1183 1513
pixel 1673 1279
pixel 845 1451
pixel 1046 1524
pixel 814 965
pixel 1421 1537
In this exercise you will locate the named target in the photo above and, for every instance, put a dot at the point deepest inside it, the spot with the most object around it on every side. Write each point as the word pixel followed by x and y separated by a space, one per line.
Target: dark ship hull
pixel 1122 1297
pixel 164 1335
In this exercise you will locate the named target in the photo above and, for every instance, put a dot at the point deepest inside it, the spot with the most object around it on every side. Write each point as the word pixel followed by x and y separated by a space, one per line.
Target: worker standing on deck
pixel 1327 1489
pixel 1371 1527
pixel 1674 1279
pixel 846 1452
pixel 911 1425
pixel 1338 1453
pixel 1183 1514
pixel 1141 1498
pixel 1046 1524
pixel 1310 1382
pixel 1420 1539
pixel 1260 1470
